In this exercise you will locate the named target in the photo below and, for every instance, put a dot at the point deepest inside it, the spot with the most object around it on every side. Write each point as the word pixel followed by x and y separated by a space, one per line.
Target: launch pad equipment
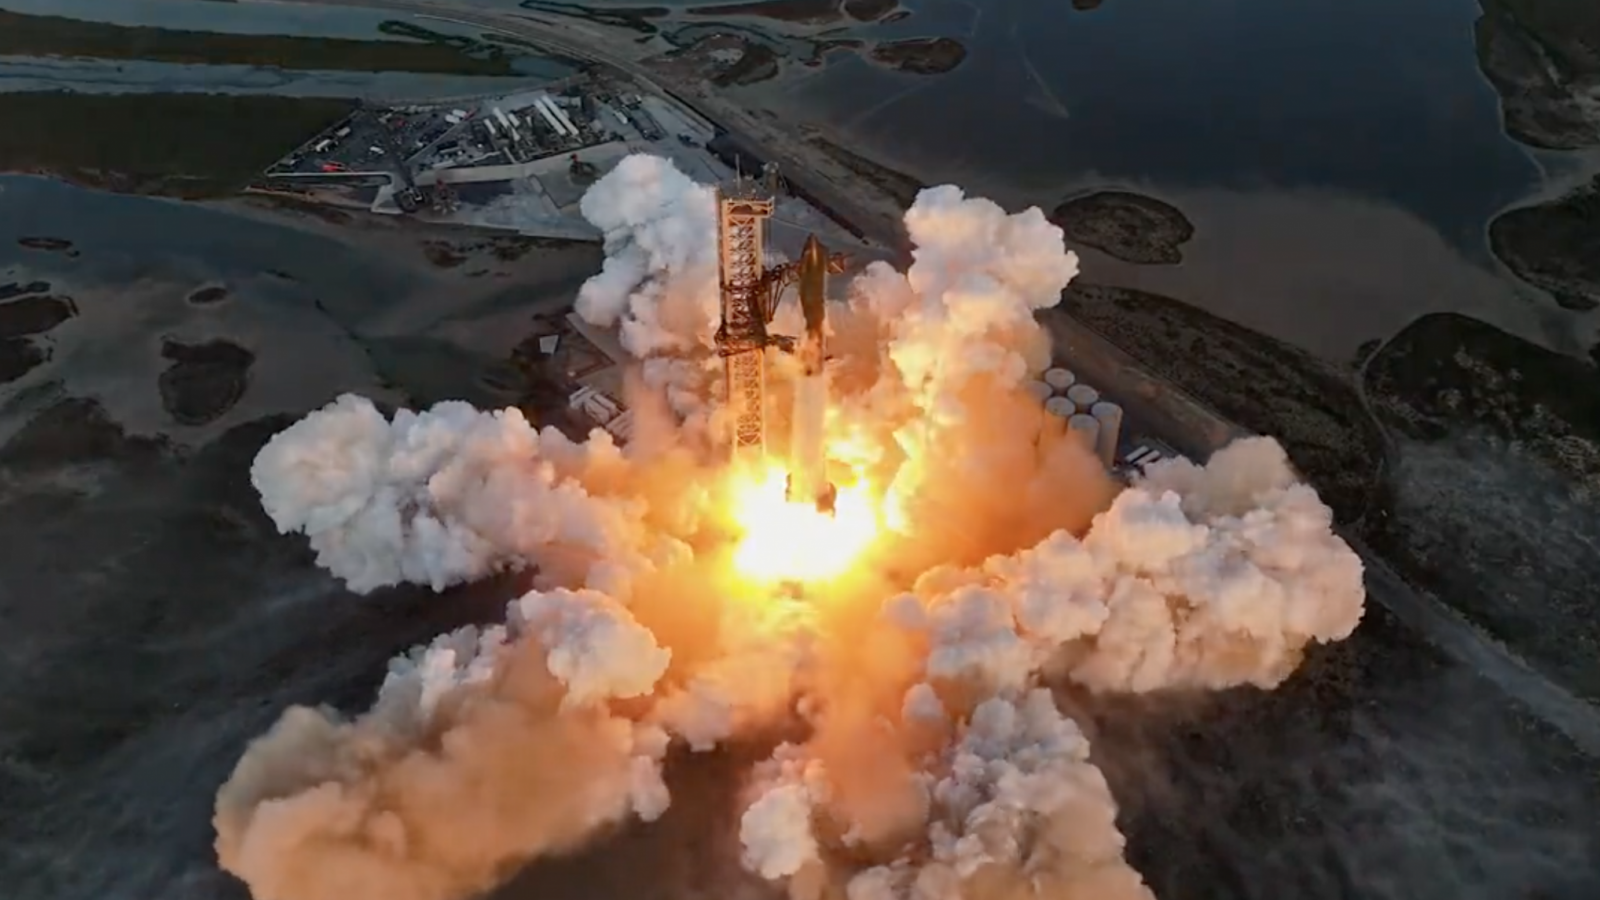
pixel 750 293
pixel 742 336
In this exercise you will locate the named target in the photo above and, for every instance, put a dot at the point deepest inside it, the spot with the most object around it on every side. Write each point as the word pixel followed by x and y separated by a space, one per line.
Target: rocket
pixel 813 279
pixel 808 477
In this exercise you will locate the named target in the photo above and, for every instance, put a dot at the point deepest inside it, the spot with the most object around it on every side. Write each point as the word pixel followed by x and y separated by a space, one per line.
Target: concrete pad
pixel 563 192
pixel 604 339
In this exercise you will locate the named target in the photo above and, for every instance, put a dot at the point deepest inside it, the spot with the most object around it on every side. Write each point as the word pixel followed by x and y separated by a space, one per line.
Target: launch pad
pixel 750 293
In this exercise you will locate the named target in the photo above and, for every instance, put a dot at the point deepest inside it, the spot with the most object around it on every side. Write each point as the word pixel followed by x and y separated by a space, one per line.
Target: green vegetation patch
pixel 1446 372
pixel 1261 383
pixel 1555 246
pixel 921 56
pixel 802 11
pixel 1569 30
pixel 1131 227
pixel 30 35
pixel 1494 494
pixel 191 146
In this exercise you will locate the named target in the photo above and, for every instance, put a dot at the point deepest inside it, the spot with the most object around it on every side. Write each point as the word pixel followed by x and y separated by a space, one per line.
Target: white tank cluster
pixel 1057 410
pixel 1059 380
pixel 1076 409
pixel 1109 415
pixel 1085 430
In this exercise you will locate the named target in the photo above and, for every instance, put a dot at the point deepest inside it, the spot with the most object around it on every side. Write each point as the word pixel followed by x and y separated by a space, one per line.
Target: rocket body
pixel 813 304
pixel 808 477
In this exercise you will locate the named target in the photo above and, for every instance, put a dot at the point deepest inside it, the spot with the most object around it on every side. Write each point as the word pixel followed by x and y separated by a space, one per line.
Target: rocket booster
pixel 813 295
pixel 808 479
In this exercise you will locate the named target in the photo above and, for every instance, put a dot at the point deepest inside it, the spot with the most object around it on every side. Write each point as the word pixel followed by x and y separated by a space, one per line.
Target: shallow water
pixel 1266 123
pixel 1339 161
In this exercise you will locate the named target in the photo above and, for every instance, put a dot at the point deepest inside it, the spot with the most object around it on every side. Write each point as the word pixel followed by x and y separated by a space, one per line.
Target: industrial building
pixel 517 161
pixel 523 161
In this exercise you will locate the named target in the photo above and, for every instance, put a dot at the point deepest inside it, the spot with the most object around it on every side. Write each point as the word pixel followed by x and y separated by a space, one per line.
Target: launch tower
pixel 746 300
pixel 750 292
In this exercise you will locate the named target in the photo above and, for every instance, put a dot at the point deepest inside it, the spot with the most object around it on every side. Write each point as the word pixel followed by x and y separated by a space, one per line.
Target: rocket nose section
pixel 812 255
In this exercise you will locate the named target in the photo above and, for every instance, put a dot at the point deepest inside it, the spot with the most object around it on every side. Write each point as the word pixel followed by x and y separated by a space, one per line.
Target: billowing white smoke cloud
pixel 444 496
pixel 776 827
pixel 958 328
pixel 764 655
pixel 1014 799
pixel 659 280
pixel 510 722
pixel 938 765
pixel 1198 577
pixel 658 285
pixel 966 304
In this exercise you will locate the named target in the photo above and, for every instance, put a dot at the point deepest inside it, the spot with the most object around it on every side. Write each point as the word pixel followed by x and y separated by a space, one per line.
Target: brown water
pixel 1339 161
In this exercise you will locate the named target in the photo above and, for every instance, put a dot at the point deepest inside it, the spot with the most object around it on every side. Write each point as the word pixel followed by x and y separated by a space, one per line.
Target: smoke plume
pixel 511 721
pixel 658 285
pixel 911 647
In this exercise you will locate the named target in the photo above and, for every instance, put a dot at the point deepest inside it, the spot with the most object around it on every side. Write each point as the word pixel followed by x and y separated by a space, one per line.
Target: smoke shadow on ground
pixel 691 852
pixel 1380 770
pixel 155 623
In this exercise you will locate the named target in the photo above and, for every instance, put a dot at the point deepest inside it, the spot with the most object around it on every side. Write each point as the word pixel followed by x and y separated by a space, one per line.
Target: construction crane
pixel 750 294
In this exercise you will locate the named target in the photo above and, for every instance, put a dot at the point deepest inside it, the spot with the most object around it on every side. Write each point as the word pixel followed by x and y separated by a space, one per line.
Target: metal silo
pixel 1085 430
pixel 1056 412
pixel 1059 379
pixel 1109 415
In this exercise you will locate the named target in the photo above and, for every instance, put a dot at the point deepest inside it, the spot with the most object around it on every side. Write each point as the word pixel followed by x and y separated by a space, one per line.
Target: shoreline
pixel 1382 764
pixel 1190 423
pixel 1180 411
pixel 877 217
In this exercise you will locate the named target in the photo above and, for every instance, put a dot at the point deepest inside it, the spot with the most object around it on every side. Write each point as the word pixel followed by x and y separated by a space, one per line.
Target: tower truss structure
pixel 746 300
pixel 750 293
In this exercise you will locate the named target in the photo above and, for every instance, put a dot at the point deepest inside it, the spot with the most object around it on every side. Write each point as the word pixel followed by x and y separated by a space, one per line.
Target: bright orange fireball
pixel 794 542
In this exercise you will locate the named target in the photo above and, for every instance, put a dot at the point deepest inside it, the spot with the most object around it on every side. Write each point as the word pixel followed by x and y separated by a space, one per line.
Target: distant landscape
pixel 414 49
pixel 148 348
pixel 1469 457
pixel 207 145
pixel 1359 428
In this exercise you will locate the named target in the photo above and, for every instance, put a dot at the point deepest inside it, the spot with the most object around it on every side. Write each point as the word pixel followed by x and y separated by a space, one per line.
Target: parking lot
pixel 362 142
pixel 508 158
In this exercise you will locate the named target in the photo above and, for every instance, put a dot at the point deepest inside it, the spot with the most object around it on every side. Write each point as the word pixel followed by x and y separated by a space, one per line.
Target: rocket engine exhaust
pixel 914 644
pixel 808 477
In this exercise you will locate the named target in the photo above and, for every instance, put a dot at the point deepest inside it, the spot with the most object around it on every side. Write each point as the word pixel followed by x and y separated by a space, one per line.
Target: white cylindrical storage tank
pixel 1059 379
pixel 1109 415
pixel 1038 390
pixel 1083 396
pixel 1057 410
pixel 1085 430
